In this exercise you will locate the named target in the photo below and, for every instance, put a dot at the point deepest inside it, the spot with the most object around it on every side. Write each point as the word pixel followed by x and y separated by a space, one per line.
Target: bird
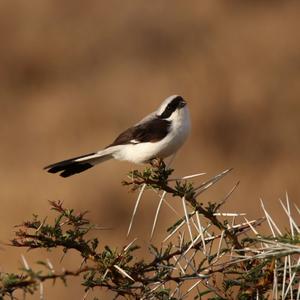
pixel 157 136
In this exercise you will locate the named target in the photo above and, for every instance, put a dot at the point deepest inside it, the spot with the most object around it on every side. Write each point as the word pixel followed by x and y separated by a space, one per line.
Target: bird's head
pixel 172 107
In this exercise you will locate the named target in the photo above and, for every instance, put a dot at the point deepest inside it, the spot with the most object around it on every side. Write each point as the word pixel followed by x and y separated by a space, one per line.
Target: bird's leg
pixel 157 162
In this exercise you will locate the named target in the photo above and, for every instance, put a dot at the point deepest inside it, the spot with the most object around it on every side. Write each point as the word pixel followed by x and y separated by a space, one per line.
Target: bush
pixel 205 254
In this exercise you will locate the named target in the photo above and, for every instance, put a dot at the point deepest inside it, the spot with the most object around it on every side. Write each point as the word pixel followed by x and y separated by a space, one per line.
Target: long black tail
pixel 78 164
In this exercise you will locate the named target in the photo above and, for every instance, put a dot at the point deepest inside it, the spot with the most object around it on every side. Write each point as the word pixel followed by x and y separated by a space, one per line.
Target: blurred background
pixel 74 74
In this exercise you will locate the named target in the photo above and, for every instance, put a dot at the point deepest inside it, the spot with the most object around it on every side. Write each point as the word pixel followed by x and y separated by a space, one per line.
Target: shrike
pixel 158 135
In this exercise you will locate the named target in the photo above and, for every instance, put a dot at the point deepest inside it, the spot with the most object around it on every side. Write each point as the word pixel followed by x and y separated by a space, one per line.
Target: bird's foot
pixel 157 163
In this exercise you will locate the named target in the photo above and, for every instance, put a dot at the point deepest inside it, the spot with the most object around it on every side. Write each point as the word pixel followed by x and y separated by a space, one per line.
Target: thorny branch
pixel 215 248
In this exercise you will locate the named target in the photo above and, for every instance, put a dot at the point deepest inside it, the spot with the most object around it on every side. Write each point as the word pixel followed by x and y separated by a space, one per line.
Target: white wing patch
pixel 134 142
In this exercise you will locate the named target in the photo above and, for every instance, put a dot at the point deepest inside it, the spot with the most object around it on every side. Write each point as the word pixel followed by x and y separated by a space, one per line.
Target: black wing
pixel 151 131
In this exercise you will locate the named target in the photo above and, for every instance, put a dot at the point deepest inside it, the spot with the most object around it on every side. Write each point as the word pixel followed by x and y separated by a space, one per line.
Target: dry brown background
pixel 73 74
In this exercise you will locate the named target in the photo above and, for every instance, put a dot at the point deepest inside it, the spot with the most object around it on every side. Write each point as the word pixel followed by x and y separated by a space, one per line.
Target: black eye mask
pixel 176 103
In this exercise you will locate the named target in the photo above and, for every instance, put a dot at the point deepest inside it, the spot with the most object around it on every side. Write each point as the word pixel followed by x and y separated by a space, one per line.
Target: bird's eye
pixel 171 107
